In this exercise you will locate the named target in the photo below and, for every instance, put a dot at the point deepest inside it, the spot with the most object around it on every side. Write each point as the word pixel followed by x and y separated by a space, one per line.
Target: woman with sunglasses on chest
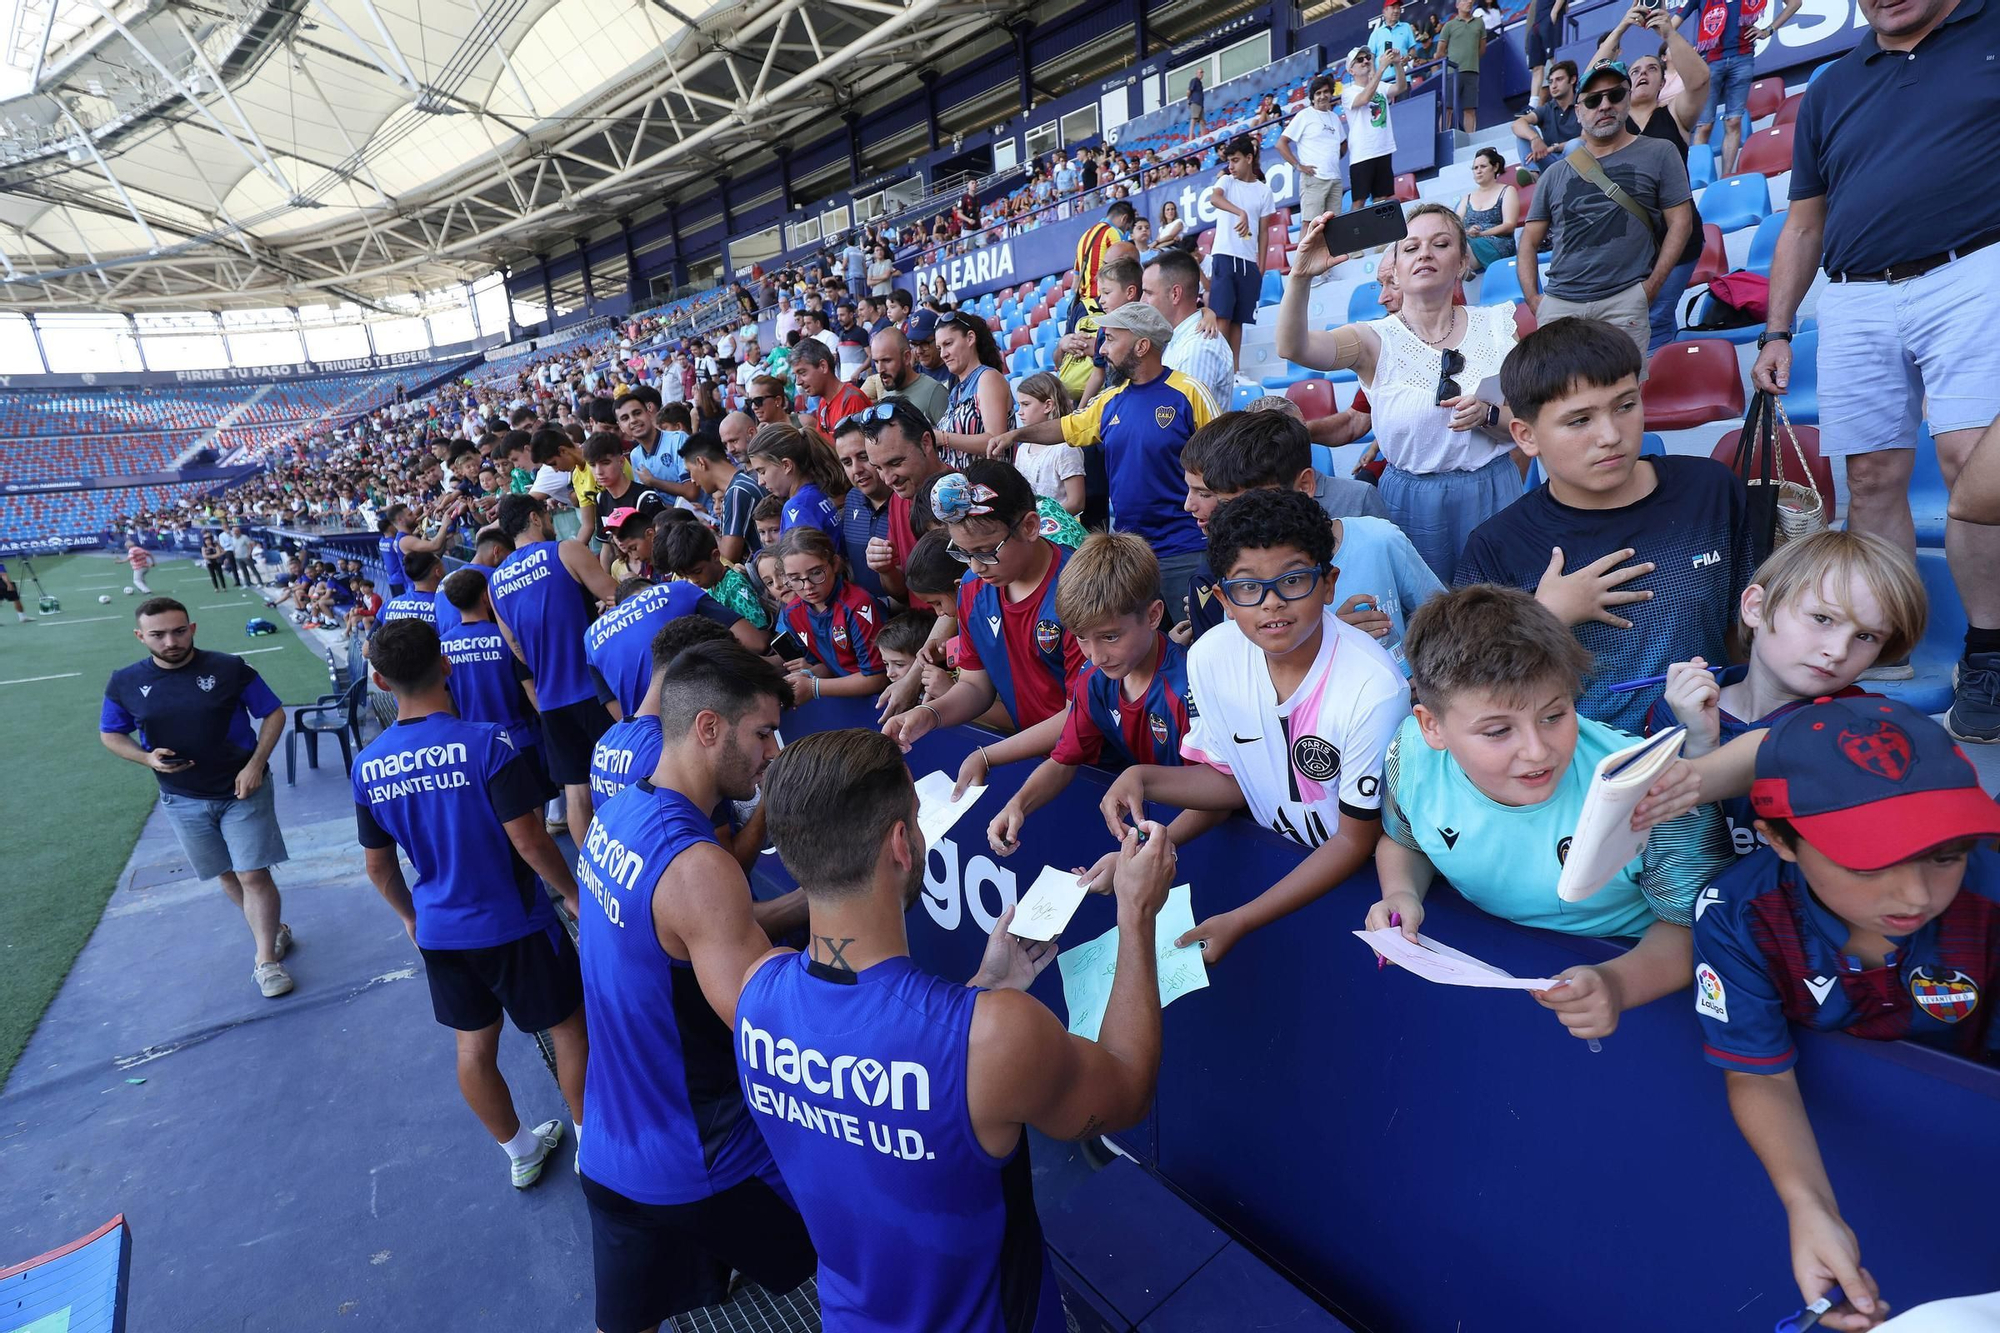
pixel 981 404
pixel 1448 453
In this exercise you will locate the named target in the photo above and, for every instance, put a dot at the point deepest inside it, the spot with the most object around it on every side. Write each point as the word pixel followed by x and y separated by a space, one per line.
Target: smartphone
pixel 1366 229
pixel 788 647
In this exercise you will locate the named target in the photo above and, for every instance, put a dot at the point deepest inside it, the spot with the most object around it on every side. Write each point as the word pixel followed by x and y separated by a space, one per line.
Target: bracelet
pixel 815 681
pixel 982 753
pixel 935 718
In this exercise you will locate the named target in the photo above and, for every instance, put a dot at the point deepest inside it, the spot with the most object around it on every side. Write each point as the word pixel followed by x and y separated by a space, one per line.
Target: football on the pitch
pixel 129 590
pixel 105 598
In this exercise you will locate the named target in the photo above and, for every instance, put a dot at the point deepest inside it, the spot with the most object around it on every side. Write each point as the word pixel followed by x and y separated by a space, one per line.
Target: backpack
pixel 1736 300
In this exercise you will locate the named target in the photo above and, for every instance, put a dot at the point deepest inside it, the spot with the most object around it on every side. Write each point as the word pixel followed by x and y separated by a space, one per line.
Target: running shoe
pixel 273 980
pixel 528 1170
pixel 283 944
pixel 1975 699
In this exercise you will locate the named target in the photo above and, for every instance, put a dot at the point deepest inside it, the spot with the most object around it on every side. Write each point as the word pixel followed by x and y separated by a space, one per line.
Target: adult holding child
pixel 1447 451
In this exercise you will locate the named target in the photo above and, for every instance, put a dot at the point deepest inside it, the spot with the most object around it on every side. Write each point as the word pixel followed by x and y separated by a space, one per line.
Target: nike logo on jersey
pixel 1244 740
pixel 1709 897
pixel 1821 987
pixel 1450 836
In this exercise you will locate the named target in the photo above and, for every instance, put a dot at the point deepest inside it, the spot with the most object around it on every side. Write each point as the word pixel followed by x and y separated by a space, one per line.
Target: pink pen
pixel 1395 919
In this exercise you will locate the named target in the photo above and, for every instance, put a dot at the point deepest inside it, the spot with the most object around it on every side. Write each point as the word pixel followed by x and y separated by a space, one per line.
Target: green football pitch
pixel 71 810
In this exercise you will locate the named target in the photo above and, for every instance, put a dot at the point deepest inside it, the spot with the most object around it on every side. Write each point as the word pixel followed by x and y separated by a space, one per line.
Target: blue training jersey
pixel 486 678
pixel 667 1120
pixel 442 788
pixel 627 751
pixel 809 507
pixel 858 1083
pixel 619 645
pixel 448 617
pixel 546 608
pixel 391 548
pixel 413 605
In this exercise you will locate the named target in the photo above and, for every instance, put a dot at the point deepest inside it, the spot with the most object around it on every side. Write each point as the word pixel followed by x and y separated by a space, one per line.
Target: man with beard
pixel 192 710
pixel 679 1183
pixel 941 1233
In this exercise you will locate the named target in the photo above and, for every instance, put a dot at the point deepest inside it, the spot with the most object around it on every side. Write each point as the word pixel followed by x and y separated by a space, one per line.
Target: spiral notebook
pixel 1604 842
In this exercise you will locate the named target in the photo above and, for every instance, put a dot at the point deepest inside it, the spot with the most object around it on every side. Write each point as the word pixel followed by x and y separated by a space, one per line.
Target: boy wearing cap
pixel 1875 911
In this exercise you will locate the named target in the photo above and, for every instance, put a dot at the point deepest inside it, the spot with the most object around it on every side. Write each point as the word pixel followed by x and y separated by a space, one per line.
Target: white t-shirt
pixel 1047 466
pixel 1305 763
pixel 1254 198
pixel 1369 133
pixel 1316 137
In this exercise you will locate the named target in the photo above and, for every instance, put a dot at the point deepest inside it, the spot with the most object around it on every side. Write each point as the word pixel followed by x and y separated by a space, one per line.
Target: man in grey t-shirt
pixel 1607 264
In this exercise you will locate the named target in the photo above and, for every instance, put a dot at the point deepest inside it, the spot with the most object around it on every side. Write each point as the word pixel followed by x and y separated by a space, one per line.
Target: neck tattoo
pixel 836 950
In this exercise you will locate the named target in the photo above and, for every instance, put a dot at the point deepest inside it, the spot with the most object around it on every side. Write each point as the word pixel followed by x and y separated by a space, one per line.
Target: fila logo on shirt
pixel 1704 561
pixel 207 683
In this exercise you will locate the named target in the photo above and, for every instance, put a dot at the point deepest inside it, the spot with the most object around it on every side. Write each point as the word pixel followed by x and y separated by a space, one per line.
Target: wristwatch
pixel 1492 417
pixel 1773 335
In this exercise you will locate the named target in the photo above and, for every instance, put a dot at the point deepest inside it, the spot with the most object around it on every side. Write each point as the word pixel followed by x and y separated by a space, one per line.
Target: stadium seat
pixel 1789 112
pixel 1764 245
pixel 1701 165
pixel 1767 152
pixel 1928 493
pixel 1273 289
pixel 1525 322
pixel 1406 187
pixel 1020 337
pixel 1713 262
pixel 1501 282
pixel 1245 395
pixel 1802 396
pixel 1527 193
pixel 1766 96
pixel 1314 397
pixel 1692 383
pixel 1021 361
pixel 1277 257
pixel 1822 470
pixel 1735 202
pixel 1365 302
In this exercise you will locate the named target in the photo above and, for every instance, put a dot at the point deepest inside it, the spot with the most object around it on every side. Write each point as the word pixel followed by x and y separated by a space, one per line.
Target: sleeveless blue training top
pixel 543 604
pixel 391 548
pixel 667 1121
pixel 858 1082
pixel 485 681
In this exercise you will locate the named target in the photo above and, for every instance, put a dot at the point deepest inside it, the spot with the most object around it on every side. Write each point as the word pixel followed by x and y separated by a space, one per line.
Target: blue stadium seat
pixel 1735 202
pixel 1701 166
pixel 1022 361
pixel 1293 374
pixel 1928 493
pixel 1365 302
pixel 1802 399
pixel 1273 289
pixel 1245 395
pixel 1500 283
pixel 1944 640
pixel 1047 333
pixel 1764 245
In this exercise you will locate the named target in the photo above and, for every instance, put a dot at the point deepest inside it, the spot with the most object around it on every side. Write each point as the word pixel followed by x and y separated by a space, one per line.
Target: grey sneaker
pixel 283 944
pixel 273 980
pixel 1975 699
pixel 528 1170
pixel 1901 670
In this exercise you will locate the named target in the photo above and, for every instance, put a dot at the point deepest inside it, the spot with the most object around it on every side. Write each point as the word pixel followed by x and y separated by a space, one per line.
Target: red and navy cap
pixel 1869 782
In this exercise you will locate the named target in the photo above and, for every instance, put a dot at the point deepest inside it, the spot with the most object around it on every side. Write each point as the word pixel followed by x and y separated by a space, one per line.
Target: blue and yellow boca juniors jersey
pixel 1147 730
pixel 1768 954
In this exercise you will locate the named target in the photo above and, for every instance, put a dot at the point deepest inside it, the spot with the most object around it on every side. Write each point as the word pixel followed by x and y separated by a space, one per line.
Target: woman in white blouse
pixel 1448 452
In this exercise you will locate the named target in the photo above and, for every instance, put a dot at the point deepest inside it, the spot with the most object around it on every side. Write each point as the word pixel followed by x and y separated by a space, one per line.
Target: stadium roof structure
pixel 204 154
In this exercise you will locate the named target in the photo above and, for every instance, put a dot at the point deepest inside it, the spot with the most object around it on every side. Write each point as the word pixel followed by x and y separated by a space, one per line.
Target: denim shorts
pixel 1729 80
pixel 220 836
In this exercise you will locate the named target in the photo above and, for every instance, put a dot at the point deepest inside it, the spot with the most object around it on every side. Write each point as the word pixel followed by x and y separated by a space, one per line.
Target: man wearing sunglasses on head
pixel 1620 211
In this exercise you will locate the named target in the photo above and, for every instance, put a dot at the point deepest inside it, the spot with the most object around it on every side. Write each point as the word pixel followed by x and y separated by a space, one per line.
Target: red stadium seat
pixel 1692 383
pixel 1314 397
pixel 1207 242
pixel 1020 338
pixel 1524 320
pixel 1527 193
pixel 1766 96
pixel 1822 470
pixel 1277 255
pixel 1278 224
pixel 1406 188
pixel 1767 152
pixel 1713 262
pixel 1789 112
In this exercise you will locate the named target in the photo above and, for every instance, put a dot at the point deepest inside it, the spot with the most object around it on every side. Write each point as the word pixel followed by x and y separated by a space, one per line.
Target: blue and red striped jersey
pixel 1768 954
pixel 1021 645
pixel 842 637
pixel 1146 730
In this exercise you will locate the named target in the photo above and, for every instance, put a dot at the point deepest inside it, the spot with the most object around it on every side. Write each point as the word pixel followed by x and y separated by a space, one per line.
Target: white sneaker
pixel 282 945
pixel 273 980
pixel 528 1170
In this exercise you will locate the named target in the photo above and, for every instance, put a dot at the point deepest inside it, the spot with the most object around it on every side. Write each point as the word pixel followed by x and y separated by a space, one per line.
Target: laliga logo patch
pixel 1047 635
pixel 1164 416
pixel 1946 1000
pixel 1709 997
pixel 1158 726
pixel 1316 758
pixel 1562 852
pixel 1881 748
pixel 207 683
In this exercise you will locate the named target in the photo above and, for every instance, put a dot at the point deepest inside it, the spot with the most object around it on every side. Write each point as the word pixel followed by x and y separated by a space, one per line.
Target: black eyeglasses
pixel 1289 587
pixel 1598 99
pixel 1454 362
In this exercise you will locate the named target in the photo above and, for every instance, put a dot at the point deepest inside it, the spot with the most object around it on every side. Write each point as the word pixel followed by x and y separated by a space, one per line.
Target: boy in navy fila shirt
pixel 1875 911
pixel 1131 699
pixel 465 805
pixel 678 1181
pixel 894 1101
pixel 1012 644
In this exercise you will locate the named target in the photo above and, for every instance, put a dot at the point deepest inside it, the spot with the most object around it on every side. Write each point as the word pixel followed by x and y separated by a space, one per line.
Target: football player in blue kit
pixel 489 548
pixel 678 1181
pixel 894 1101
pixel 425 572
pixel 464 804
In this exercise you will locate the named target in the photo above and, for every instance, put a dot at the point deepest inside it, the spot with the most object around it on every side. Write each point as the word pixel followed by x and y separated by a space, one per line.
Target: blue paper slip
pixel 1089 969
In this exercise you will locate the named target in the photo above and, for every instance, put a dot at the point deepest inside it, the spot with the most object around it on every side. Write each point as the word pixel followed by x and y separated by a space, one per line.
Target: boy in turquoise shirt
pixel 1484 784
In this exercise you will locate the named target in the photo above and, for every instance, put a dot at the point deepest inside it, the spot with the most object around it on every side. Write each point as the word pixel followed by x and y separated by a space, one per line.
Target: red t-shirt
pixel 839 405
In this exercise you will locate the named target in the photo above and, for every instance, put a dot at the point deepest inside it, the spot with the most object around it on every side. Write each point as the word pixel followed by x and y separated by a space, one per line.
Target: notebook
pixel 1604 842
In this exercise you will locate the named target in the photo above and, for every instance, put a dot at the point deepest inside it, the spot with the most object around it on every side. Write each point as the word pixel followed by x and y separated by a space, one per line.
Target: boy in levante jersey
pixel 1875 911
pixel 1132 698
pixel 834 617
pixel 465 805
pixel 1012 644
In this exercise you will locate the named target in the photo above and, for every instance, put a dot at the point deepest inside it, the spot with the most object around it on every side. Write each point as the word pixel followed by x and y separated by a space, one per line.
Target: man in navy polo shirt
pixel 1875 911
pixel 1894 164
pixel 192 710
pixel 464 804
pixel 864 515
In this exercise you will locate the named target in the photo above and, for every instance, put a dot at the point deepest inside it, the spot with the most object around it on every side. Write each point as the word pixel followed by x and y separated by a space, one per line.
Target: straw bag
pixel 1781 509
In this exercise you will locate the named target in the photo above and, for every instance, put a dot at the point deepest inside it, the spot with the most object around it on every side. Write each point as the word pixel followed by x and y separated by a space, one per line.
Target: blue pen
pixel 1648 682
pixel 1810 1316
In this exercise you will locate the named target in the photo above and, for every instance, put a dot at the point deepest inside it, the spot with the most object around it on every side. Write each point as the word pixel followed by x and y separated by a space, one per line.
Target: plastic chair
pixel 1789 112
pixel 1766 96
pixel 1500 283
pixel 1822 470
pixel 1701 165
pixel 335 715
pixel 1277 257
pixel 1365 302
pixel 1764 245
pixel 1692 383
pixel 1767 152
pixel 1314 397
pixel 1406 188
pixel 1713 262
pixel 1738 201
pixel 1020 337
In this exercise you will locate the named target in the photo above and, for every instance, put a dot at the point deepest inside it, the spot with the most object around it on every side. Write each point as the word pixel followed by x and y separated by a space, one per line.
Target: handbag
pixel 1779 509
pixel 1801 508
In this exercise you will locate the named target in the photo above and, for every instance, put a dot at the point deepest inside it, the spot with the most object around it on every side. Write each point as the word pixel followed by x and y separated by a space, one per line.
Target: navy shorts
pixel 535 980
pixel 1539 44
pixel 569 733
pixel 1234 286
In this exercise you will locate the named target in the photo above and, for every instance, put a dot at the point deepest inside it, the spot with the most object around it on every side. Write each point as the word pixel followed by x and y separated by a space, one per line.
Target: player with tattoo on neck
pixel 894 1101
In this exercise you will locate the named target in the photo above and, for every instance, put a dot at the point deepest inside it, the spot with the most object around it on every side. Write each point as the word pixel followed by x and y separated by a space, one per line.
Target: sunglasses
pixel 866 417
pixel 1595 100
pixel 1454 362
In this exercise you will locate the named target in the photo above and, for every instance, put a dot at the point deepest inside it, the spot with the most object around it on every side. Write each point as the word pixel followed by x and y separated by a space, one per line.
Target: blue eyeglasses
pixel 1289 587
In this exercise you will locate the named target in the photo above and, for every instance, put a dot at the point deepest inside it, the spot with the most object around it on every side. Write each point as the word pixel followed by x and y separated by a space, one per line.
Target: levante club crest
pixel 1946 999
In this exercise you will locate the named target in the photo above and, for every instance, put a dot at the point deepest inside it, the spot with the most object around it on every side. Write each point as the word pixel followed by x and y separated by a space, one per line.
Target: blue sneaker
pixel 1975 699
